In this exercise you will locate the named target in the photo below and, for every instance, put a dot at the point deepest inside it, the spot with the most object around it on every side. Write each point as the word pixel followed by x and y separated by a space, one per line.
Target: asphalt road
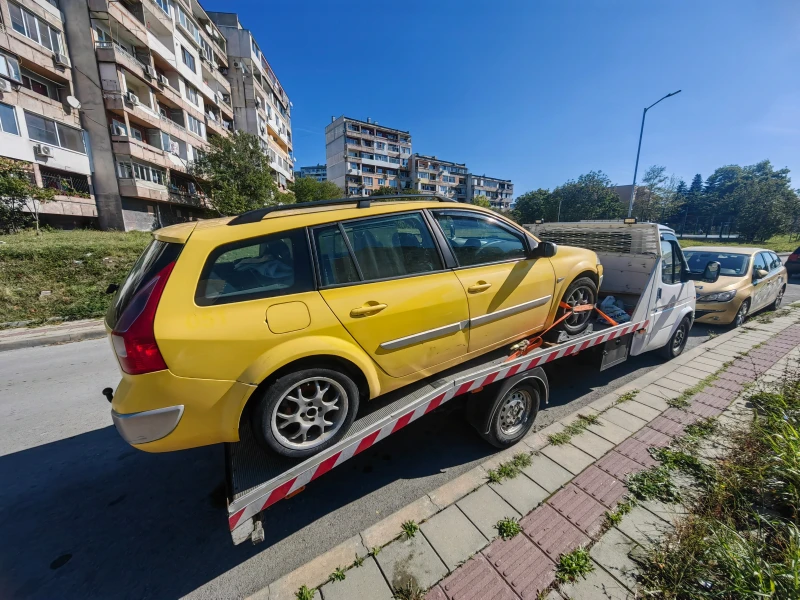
pixel 83 515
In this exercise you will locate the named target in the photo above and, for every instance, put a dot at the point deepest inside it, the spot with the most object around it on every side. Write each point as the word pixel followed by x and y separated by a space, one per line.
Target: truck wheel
pixel 304 412
pixel 513 415
pixel 581 291
pixel 677 342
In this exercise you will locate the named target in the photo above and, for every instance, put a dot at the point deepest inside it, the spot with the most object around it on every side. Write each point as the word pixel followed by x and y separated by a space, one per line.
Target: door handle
pixel 367 310
pixel 479 287
pixel 658 296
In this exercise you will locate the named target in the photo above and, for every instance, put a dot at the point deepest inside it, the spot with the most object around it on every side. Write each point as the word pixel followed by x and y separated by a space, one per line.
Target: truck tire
pixel 504 413
pixel 304 412
pixel 677 342
pixel 581 291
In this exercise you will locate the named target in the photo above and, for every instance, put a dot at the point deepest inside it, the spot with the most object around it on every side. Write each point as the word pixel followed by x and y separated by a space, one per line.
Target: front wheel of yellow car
pixel 582 291
pixel 305 412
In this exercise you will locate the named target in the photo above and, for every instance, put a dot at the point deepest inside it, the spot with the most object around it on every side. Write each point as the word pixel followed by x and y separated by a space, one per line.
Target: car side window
pixel 760 262
pixel 671 262
pixel 392 246
pixel 264 267
pixel 776 262
pixel 477 240
pixel 335 263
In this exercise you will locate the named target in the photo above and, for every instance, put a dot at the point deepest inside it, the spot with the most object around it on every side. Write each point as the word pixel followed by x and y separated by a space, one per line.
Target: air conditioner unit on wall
pixel 117 130
pixel 150 71
pixel 5 85
pixel 61 60
pixel 43 150
pixel 132 98
pixel 162 79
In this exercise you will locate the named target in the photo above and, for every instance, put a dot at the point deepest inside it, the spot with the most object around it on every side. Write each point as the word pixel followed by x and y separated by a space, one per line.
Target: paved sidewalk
pixel 560 500
pixel 71 331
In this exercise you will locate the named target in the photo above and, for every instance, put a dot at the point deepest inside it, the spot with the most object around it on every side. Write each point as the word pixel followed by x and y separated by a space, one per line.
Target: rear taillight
pixel 134 337
pixel 793 258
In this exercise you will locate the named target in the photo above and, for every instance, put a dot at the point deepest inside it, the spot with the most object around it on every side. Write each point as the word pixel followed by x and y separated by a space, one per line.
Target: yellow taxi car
pixel 750 279
pixel 292 315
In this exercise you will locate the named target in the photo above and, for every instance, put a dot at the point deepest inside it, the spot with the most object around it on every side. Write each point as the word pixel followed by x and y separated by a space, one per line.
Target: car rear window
pixel 264 267
pixel 155 257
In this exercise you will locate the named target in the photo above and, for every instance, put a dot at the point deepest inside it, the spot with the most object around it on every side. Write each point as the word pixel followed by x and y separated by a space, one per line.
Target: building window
pixel 188 59
pixel 164 4
pixel 443 189
pixel 8 119
pixel 188 24
pixel 33 27
pixel 39 85
pixel 367 180
pixel 9 67
pixel 380 145
pixel 126 170
pixel 394 148
pixel 381 182
pixel 191 94
pixel 422 175
pixel 393 183
pixel 195 126
pixel 54 133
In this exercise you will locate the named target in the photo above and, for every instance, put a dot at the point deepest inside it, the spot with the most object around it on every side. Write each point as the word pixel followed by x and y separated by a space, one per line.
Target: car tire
pixel 677 342
pixel 513 415
pixel 581 291
pixel 778 299
pixel 741 314
pixel 289 417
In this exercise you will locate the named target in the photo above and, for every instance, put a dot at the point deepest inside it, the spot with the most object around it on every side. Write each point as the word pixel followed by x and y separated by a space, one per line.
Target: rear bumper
pixel 147 426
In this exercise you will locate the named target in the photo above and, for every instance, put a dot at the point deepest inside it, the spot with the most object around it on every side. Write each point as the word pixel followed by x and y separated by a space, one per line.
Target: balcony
pixel 66 184
pixel 115 102
pixel 216 125
pixel 135 188
pixel 125 16
pixel 123 145
pixel 113 53
pixel 163 18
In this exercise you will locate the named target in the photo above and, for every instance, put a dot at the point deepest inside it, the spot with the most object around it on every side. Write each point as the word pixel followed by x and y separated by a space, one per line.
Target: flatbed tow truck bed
pixel 256 479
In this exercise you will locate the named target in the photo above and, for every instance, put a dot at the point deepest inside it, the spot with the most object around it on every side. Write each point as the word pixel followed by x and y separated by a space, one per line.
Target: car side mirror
pixel 711 272
pixel 761 273
pixel 543 250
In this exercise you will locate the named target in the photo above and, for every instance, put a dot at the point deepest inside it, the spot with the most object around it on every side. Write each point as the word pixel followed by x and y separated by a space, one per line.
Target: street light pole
pixel 639 149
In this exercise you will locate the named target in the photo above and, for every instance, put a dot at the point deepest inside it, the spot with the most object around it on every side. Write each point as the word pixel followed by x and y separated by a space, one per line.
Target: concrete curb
pixel 676 375
pixel 67 333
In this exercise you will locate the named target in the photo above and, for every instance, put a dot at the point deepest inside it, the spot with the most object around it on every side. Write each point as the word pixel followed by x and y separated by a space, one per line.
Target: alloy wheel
pixel 309 413
pixel 579 296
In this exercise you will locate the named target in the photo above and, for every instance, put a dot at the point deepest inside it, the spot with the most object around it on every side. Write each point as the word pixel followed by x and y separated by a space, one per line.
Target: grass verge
pixel 573 429
pixel 777 243
pixel 741 538
pixel 74 266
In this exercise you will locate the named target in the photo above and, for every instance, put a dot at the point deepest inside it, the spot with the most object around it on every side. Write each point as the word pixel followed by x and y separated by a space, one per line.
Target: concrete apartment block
pixel 500 192
pixel 362 156
pixel 430 175
pixel 318 172
pixel 39 121
pixel 260 103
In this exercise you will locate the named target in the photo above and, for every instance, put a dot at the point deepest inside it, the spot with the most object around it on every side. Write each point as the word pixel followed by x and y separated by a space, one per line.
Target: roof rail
pixel 254 216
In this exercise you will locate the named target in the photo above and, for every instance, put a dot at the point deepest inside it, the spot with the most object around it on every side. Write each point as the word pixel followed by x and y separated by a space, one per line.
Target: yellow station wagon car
pixel 292 315
pixel 749 279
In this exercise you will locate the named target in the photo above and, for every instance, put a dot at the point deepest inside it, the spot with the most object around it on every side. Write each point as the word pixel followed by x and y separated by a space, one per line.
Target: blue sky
pixel 542 91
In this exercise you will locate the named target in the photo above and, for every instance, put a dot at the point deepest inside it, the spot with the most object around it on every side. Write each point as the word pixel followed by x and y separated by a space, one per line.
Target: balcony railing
pixel 66 184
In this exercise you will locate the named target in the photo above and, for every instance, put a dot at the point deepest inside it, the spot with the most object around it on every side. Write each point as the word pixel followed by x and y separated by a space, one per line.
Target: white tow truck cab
pixel 644 268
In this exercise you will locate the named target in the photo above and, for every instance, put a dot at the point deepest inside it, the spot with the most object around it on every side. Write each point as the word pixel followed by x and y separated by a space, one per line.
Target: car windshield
pixel 730 265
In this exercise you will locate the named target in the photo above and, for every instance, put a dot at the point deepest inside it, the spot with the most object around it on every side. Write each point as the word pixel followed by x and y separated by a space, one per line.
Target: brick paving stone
pixel 666 426
pixel 601 486
pixel 583 511
pixel 411 561
pixel 640 410
pixel 597 584
pixel 477 580
pixel 703 410
pixel 737 379
pixel 521 493
pixel 680 416
pixel 715 401
pixel 652 401
pixel 608 431
pixel 624 420
pixel 638 451
pixel 484 507
pixel 612 552
pixel 619 466
pixel 569 457
pixel 436 593
pixel 661 392
pixel 522 565
pixel 746 371
pixel 453 536
pixel 652 438
pixel 704 367
pixel 689 369
pixel 546 473
pixel 676 386
pixel 362 583
pixel 552 533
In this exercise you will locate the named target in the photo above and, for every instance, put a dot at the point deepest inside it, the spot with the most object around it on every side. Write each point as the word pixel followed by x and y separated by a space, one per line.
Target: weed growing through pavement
pixel 623 508
pixel 359 560
pixel 682 401
pixel 573 429
pixel 337 575
pixel 508 527
pixel 374 551
pixel 511 468
pixel 409 591
pixel 626 397
pixel 410 529
pixel 572 565
pixel 304 593
pixel 654 483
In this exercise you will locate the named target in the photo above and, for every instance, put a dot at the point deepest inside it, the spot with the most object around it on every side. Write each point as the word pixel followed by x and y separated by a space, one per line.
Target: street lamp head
pixel 673 93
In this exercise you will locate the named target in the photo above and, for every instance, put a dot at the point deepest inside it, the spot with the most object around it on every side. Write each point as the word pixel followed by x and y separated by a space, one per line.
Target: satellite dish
pixel 73 102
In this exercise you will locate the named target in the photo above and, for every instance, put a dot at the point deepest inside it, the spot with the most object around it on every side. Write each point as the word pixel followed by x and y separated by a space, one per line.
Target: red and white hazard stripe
pixel 277 490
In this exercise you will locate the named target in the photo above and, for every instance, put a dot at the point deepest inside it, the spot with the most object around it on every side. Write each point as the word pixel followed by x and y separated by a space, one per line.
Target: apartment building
pixel 430 175
pixel 318 172
pixel 260 103
pixel 150 78
pixel 500 192
pixel 39 117
pixel 362 156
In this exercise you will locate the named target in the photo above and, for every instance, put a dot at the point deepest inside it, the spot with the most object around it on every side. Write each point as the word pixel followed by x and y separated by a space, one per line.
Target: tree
pixel 538 204
pixel 387 190
pixel 308 189
pixel 235 175
pixel 590 197
pixel 481 201
pixel 19 192
pixel 657 199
